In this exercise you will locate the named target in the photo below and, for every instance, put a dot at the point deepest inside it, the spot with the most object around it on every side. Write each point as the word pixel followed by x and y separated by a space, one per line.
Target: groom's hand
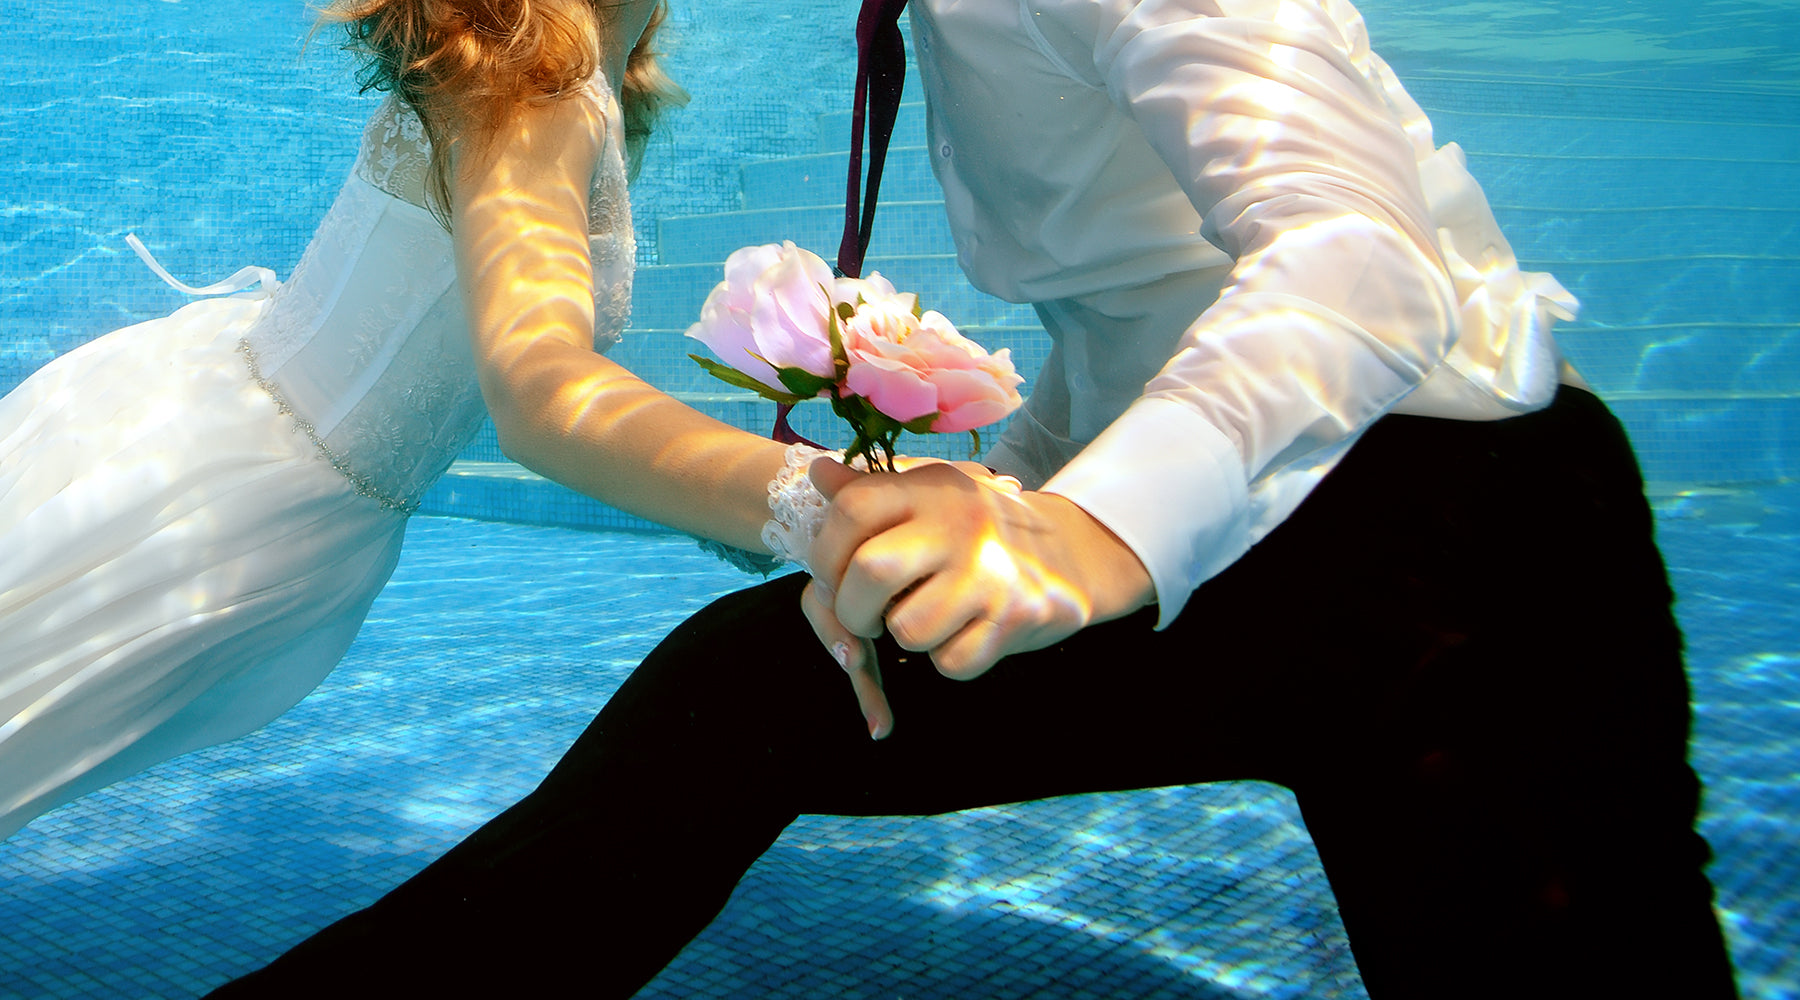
pixel 965 571
pixel 856 653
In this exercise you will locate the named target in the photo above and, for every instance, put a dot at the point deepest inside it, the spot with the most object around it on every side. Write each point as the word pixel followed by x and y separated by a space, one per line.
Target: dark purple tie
pixel 880 76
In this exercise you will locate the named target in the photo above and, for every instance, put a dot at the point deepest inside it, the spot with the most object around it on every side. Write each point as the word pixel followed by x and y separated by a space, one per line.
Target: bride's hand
pixel 852 652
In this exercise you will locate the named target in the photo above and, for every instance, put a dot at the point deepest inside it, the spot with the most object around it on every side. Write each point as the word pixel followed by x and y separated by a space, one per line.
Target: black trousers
pixel 1459 654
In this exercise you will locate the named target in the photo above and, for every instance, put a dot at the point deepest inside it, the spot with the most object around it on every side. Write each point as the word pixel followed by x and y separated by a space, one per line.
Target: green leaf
pixel 854 409
pixel 921 425
pixel 802 382
pixel 731 376
pixel 860 447
pixel 840 359
pixel 881 425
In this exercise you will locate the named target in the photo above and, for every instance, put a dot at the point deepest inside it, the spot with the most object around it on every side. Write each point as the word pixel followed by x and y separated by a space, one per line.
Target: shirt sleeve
pixel 1338 302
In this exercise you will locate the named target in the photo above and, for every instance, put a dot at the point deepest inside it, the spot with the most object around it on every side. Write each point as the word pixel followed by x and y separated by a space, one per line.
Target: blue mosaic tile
pixel 208 865
pixel 916 227
pixel 818 179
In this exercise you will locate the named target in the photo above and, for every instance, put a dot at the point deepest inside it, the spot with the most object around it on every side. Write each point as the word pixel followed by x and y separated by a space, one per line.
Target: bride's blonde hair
pixel 466 66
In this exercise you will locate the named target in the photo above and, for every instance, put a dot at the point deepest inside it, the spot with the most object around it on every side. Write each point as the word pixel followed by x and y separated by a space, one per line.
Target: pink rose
pixel 910 366
pixel 873 288
pixel 898 369
pixel 772 305
pixel 789 315
pixel 724 325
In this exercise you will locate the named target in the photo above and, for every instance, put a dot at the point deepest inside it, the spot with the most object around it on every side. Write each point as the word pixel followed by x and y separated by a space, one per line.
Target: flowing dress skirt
pixel 178 564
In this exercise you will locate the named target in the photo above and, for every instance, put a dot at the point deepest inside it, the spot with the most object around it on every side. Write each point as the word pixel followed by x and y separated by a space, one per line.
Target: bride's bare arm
pixel 562 410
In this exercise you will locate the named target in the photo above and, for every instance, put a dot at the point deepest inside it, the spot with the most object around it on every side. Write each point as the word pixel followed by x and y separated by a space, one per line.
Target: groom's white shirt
pixel 1244 243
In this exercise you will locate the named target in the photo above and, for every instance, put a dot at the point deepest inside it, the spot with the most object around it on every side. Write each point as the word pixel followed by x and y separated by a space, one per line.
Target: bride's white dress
pixel 196 512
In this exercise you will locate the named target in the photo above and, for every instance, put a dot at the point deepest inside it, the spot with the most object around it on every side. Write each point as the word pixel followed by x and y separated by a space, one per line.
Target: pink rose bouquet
pixel 789 330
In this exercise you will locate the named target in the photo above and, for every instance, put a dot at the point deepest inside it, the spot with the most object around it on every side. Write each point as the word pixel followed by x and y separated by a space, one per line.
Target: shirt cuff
pixel 1172 487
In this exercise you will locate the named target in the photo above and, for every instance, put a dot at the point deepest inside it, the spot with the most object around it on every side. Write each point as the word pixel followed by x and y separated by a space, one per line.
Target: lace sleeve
pixel 395 156
pixel 611 243
pixel 797 511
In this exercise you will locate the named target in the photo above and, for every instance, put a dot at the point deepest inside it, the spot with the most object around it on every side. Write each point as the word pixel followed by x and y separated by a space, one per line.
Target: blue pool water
pixel 496 642
pixel 1648 153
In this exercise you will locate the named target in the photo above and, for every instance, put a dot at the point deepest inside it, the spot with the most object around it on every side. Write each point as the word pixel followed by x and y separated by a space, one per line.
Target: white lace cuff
pixel 797 506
